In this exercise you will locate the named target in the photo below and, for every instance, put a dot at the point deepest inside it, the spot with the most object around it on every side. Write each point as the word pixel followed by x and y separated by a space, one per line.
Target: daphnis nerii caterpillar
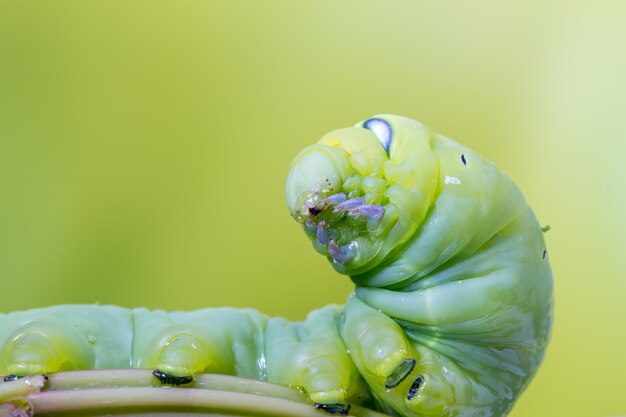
pixel 450 317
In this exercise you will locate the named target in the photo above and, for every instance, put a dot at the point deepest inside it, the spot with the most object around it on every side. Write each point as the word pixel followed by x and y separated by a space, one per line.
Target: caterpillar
pixel 451 313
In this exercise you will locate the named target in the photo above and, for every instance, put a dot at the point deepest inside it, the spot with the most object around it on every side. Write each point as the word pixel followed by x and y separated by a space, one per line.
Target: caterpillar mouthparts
pixel 339 226
pixel 343 200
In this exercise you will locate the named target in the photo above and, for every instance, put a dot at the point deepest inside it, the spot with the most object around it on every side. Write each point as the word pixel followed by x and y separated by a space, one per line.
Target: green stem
pixel 150 399
pixel 21 387
pixel 136 392
pixel 116 378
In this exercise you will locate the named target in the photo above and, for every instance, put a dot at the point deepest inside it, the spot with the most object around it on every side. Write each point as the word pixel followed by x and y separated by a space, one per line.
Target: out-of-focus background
pixel 144 148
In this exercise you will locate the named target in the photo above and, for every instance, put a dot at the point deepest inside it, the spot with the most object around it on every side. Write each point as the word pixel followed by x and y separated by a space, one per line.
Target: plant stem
pixel 150 399
pixel 21 387
pixel 136 392
pixel 116 378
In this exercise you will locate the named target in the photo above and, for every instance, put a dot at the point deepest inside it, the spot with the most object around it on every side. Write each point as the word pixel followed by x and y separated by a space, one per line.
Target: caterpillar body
pixel 451 314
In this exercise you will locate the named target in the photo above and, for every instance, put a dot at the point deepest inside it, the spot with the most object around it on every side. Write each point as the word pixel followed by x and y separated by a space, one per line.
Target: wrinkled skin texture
pixel 449 262
pixel 242 342
pixel 450 316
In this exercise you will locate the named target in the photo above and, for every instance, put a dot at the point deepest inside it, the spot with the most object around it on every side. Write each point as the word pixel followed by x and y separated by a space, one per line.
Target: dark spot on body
pixel 10 378
pixel 545 253
pixel 400 373
pixel 415 388
pixel 463 160
pixel 314 211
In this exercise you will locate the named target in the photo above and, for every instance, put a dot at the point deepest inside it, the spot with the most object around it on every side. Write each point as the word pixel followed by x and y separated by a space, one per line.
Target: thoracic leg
pixel 383 355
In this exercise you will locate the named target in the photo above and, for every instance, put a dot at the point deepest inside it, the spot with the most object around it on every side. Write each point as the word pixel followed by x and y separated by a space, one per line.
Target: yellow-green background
pixel 144 147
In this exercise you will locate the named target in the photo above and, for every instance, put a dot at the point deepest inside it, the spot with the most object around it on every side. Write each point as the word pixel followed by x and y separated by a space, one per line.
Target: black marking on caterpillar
pixel 400 373
pixel 415 388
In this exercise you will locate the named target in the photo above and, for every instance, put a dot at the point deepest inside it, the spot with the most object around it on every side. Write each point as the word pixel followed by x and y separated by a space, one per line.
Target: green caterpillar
pixel 452 309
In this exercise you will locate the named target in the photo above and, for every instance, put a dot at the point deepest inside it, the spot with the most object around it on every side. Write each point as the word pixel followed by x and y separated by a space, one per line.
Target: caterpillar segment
pixel 446 256
pixel 178 345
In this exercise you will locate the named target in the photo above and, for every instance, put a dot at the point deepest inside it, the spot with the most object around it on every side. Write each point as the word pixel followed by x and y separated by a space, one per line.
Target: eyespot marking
pixel 382 130
pixel 10 378
pixel 545 254
pixel 463 159
pixel 415 388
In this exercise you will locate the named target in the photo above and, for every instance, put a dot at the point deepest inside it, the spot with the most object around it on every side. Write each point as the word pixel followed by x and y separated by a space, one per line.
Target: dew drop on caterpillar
pixel 450 316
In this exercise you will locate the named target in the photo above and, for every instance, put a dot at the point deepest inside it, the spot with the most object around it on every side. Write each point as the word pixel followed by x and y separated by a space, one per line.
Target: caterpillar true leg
pixel 403 375
pixel 381 352
pixel 406 377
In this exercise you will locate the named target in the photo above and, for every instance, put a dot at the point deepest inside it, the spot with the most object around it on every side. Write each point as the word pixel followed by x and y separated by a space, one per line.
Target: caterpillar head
pixel 362 191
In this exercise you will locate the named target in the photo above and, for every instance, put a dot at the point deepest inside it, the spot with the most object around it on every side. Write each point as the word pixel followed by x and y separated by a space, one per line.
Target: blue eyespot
pixel 382 130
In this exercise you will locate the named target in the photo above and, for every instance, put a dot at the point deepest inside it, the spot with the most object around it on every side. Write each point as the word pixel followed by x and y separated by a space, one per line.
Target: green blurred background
pixel 144 148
